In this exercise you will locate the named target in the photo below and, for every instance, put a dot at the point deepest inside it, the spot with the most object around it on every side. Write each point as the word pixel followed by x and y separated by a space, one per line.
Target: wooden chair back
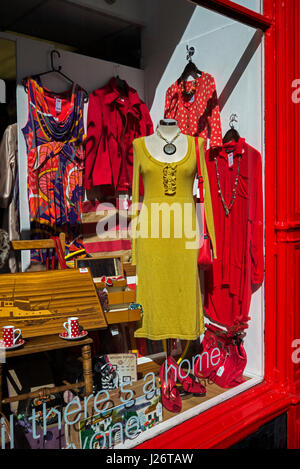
pixel 26 245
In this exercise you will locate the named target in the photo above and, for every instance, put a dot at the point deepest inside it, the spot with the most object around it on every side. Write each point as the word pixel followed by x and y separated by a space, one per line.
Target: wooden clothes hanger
pixel 56 70
pixel 190 69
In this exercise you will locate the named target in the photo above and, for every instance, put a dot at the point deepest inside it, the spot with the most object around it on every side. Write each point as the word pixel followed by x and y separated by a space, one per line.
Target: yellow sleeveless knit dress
pixel 165 243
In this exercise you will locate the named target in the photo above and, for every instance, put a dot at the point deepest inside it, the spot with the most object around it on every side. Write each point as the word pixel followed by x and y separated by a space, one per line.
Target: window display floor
pixel 193 406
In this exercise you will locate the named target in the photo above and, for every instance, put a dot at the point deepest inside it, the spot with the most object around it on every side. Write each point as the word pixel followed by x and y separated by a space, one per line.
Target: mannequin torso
pixel 155 144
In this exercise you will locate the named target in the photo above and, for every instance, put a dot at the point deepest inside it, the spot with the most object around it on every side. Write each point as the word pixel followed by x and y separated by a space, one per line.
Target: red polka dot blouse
pixel 197 114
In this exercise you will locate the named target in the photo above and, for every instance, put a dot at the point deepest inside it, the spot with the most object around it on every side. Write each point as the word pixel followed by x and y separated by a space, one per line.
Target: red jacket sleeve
pixel 168 100
pixel 171 103
pixel 214 118
pixel 257 225
pixel 146 124
pixel 97 155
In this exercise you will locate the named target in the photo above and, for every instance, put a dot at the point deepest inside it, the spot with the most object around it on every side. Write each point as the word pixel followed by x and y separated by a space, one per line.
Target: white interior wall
pixel 33 57
pixel 2 91
pixel 223 46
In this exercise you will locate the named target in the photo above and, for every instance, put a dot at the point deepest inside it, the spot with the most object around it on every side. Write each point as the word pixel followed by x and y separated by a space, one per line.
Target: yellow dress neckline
pixel 164 163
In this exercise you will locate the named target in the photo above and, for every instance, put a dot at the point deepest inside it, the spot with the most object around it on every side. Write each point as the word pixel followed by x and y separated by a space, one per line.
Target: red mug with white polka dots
pixel 72 327
pixel 10 336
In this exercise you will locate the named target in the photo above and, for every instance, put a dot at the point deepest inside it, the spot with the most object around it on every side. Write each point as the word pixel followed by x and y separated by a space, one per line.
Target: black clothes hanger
pixel 122 85
pixel 232 133
pixel 190 69
pixel 56 70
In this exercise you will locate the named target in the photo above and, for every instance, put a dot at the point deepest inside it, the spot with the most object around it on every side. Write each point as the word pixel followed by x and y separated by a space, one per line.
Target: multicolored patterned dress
pixel 55 137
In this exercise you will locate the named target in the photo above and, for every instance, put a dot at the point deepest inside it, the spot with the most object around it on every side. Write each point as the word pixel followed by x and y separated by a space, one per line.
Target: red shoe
pixel 170 397
pixel 189 383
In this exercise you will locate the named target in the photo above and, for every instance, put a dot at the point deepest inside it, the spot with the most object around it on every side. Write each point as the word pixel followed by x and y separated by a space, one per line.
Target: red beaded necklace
pixel 191 91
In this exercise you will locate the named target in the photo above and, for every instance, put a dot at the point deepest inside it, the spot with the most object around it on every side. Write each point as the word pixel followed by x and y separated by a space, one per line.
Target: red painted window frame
pixel 227 423
pixel 237 12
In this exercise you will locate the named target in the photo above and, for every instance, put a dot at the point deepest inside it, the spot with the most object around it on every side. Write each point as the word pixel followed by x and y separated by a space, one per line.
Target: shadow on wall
pixel 173 24
pixel 240 68
pixel 171 19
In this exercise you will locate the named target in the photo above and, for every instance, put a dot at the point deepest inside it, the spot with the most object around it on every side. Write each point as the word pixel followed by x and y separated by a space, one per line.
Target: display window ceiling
pixel 86 30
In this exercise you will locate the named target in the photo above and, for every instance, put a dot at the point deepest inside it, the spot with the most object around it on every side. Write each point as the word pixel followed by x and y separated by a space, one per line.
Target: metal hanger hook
pixel 116 68
pixel 233 118
pixel 190 53
pixel 54 51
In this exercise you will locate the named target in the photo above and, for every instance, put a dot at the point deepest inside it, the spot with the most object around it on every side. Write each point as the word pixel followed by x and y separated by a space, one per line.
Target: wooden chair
pixel 26 245
pixel 83 294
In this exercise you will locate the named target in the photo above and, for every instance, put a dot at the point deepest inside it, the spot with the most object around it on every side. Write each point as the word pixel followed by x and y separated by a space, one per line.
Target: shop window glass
pixel 224 336
pixel 255 5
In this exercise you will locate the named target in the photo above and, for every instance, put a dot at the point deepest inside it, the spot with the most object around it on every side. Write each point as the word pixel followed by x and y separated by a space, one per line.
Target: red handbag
pixel 205 257
pixel 226 367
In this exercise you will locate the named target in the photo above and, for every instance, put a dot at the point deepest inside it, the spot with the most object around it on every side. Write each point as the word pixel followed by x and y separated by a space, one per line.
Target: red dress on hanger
pixel 239 236
pixel 197 115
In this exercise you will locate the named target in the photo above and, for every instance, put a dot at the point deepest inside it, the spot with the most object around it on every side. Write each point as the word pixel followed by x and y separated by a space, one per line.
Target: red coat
pixel 239 237
pixel 114 120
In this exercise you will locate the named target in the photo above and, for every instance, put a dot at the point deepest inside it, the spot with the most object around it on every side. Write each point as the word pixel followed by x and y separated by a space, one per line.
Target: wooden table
pixel 45 344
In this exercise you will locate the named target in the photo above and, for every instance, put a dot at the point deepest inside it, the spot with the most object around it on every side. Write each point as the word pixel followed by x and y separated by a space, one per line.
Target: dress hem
pixel 169 336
